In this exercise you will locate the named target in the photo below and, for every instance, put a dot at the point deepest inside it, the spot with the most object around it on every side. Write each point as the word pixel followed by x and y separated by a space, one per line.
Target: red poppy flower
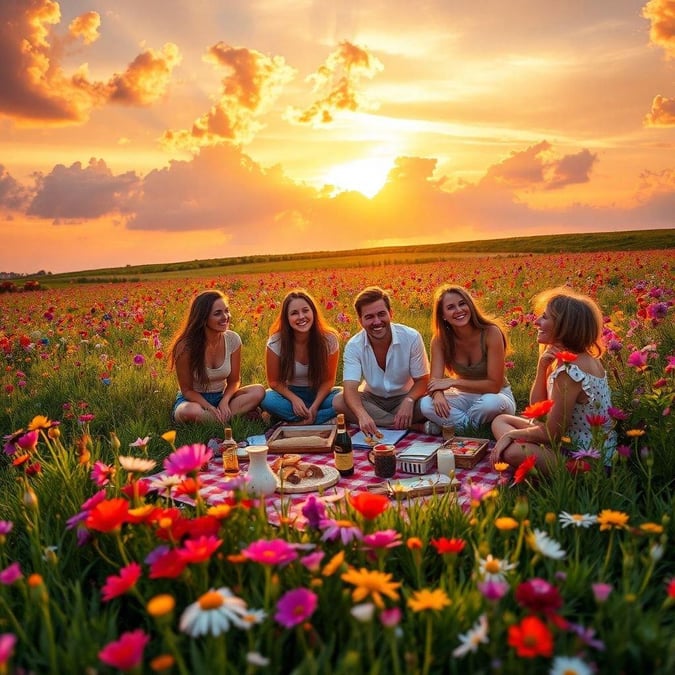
pixel 524 469
pixel 566 357
pixel 531 638
pixel 369 505
pixel 108 515
pixel 538 409
pixel 444 545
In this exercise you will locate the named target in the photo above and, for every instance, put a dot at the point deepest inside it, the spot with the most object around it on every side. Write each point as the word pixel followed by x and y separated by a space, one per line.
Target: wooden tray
pixel 331 477
pixel 302 439
pixel 419 486
pixel 468 451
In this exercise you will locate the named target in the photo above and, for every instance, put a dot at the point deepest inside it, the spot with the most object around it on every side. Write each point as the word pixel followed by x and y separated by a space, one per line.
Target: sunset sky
pixel 165 130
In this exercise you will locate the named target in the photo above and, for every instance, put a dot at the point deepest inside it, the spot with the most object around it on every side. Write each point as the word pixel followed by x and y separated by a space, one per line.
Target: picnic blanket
pixel 214 484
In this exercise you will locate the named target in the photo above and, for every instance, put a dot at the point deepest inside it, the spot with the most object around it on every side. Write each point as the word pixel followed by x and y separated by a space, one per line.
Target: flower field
pixel 98 573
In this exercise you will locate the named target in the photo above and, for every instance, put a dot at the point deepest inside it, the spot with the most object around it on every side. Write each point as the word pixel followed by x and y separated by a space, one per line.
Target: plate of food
pixel 295 476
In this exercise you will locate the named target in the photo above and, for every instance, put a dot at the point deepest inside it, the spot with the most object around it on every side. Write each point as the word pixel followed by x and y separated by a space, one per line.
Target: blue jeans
pixel 278 405
pixel 212 397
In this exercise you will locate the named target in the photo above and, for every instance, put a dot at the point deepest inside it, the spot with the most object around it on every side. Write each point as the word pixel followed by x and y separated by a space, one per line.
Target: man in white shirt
pixel 385 369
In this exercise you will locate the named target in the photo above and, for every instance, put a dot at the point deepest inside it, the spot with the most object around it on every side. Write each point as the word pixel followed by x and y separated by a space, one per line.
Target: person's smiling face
pixel 375 319
pixel 219 317
pixel 545 328
pixel 456 310
pixel 300 315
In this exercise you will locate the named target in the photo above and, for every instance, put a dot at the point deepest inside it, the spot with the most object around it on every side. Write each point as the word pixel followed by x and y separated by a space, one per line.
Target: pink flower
pixel 493 589
pixel 617 414
pixel 10 574
pixel 101 473
pixel 382 539
pixel 295 607
pixel 187 459
pixel 601 591
pixel 270 552
pixel 390 618
pixel 127 652
pixel 120 584
pixel 139 360
pixel 671 364
pixel 638 360
pixel 7 642
pixel 28 441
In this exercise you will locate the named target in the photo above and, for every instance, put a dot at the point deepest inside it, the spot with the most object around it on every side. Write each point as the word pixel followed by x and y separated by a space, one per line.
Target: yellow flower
pixel 651 528
pixel 142 511
pixel 170 436
pixel 220 511
pixel 501 466
pixel 550 517
pixel 371 583
pixel 426 599
pixel 506 523
pixel 160 605
pixel 609 519
pixel 334 564
pixel 635 433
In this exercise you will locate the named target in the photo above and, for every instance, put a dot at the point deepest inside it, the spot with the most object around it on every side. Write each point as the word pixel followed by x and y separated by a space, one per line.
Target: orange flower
pixel 566 357
pixel 369 505
pixel 108 515
pixel 444 545
pixel 538 409
pixel 531 638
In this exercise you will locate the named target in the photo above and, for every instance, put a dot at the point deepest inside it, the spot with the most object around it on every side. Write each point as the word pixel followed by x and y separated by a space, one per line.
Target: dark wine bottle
pixel 342 448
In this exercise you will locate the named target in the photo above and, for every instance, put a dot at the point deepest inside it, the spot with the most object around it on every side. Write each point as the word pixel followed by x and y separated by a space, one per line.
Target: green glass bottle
pixel 342 448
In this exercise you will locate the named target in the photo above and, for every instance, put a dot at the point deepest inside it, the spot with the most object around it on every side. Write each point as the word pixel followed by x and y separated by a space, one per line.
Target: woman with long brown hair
pixel 301 362
pixel 468 385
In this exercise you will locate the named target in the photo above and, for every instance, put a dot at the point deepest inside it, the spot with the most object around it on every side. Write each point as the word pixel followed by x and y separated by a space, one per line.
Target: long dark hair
pixel 317 347
pixel 443 331
pixel 192 336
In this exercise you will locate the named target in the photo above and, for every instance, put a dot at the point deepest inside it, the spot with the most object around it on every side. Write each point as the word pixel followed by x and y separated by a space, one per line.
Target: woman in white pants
pixel 468 385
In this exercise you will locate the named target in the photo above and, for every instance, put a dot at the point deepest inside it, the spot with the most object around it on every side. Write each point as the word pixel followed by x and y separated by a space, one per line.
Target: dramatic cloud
pixel 536 168
pixel 253 84
pixel 337 82
pixel 75 192
pixel 13 196
pixel 35 88
pixel 661 14
pixel 662 113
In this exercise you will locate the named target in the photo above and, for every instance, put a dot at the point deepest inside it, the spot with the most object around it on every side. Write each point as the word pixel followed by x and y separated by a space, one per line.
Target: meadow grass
pixel 71 353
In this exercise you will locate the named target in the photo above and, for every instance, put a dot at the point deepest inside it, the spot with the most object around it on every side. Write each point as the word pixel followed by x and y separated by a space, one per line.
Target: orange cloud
pixel 35 89
pixel 661 14
pixel 253 84
pixel 337 81
pixel 662 113
pixel 86 27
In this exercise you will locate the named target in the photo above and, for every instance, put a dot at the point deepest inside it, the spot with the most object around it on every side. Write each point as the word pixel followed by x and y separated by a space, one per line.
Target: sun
pixel 366 176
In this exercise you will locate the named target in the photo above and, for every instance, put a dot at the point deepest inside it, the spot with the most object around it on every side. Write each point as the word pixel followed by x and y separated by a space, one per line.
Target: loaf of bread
pixel 298 442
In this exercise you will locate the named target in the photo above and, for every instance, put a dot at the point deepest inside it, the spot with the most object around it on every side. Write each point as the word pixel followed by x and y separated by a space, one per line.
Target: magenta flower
pixel 101 473
pixel 7 642
pixel 638 360
pixel 475 491
pixel 314 510
pixel 538 595
pixel 617 414
pixel 601 591
pixel 623 450
pixel 119 584
pixel 127 652
pixel 295 607
pixel 6 527
pixel 382 539
pixel 390 618
pixel 187 459
pixel 270 552
pixel 493 589
pixel 312 561
pixel 10 574
pixel 28 442
pixel 139 360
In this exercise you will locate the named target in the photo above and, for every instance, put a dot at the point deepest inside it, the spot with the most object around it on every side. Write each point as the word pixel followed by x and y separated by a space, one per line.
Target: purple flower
pixel 591 453
pixel 617 413
pixel 187 459
pixel 623 450
pixel 344 530
pixel 587 636
pixel 314 510
pixel 493 589
pixel 139 360
pixel 295 607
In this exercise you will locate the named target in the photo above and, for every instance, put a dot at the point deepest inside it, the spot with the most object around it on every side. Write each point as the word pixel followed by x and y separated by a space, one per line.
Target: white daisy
pixel 363 612
pixel 541 543
pixel 213 613
pixel 471 640
pixel 165 484
pixel 569 665
pixel 494 568
pixel 577 519
pixel 136 464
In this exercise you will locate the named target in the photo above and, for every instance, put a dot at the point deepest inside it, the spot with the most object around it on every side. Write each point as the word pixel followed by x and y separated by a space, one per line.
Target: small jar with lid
pixel 384 460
